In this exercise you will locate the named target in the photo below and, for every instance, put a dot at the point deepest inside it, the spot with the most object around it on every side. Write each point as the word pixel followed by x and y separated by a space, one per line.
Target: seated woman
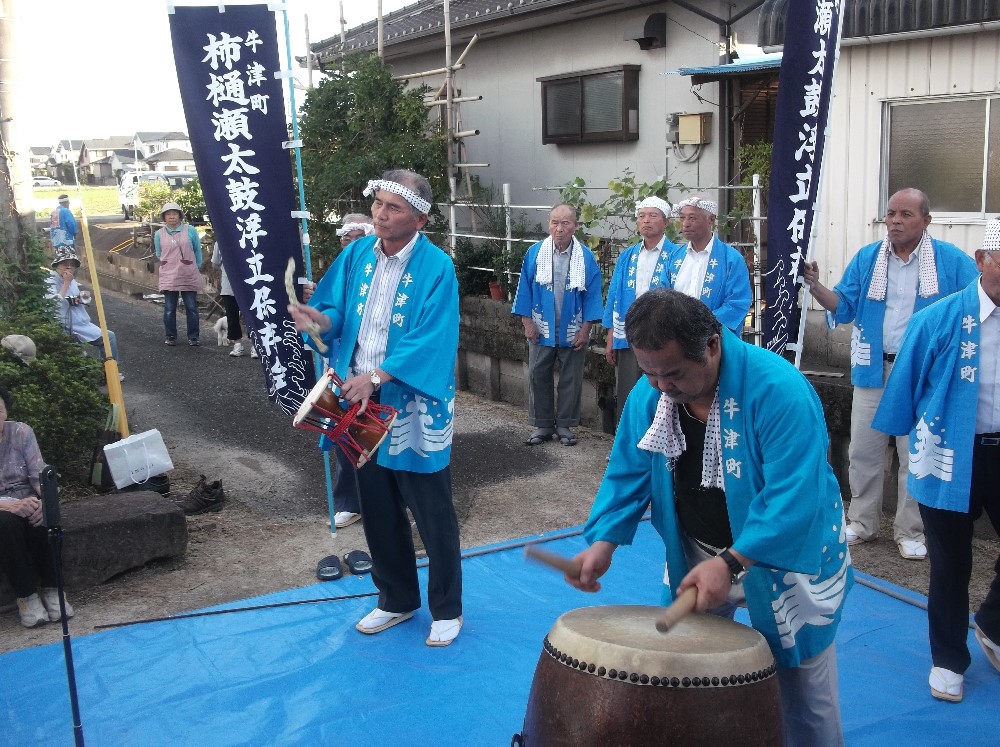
pixel 24 547
pixel 72 311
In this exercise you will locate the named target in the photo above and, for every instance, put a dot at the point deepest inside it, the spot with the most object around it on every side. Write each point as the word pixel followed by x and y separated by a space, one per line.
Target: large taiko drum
pixel 606 676
pixel 357 435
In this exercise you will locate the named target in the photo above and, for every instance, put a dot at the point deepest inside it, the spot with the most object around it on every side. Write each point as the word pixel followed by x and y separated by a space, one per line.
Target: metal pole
pixel 449 118
pixel 309 52
pixel 510 244
pixel 381 41
pixel 758 290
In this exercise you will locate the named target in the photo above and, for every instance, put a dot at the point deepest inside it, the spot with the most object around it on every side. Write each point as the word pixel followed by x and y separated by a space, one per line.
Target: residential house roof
pixel 40 150
pixel 741 68
pixel 111 143
pixel 878 17
pixel 417 26
pixel 148 137
pixel 171 154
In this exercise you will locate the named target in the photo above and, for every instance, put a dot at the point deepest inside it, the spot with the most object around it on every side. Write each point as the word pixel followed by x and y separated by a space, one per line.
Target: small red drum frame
pixel 606 676
pixel 358 436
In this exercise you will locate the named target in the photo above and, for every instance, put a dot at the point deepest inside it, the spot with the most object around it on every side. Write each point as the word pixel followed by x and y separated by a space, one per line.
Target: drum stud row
pixel 645 679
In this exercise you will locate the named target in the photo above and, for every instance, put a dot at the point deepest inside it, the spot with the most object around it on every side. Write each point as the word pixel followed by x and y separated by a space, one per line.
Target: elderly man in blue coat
pixel 640 268
pixel 708 269
pixel 944 391
pixel 883 286
pixel 741 492
pixel 392 301
pixel 558 299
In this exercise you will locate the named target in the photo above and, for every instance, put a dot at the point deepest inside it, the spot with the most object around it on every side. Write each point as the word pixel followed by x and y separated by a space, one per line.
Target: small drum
pixel 358 436
pixel 607 677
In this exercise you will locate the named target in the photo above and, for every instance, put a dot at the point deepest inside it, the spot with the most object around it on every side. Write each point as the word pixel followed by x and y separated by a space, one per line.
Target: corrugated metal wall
pixel 873 17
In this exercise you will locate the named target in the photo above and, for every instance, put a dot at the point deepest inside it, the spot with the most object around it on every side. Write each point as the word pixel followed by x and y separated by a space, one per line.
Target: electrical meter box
pixel 694 129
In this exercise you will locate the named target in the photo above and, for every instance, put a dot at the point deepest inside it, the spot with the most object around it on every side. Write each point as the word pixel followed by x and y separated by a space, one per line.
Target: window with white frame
pixel 591 105
pixel 944 148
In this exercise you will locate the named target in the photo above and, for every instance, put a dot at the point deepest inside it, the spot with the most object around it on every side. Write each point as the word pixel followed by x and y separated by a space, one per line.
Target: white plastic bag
pixel 137 458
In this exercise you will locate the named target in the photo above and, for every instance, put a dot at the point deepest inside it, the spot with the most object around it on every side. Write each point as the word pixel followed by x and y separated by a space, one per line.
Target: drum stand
pixel 50 500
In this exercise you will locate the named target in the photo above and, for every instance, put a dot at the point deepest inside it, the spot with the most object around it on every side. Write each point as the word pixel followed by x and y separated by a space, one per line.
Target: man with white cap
pixel 641 267
pixel 708 269
pixel 392 301
pixel 62 225
pixel 944 391
pixel 885 284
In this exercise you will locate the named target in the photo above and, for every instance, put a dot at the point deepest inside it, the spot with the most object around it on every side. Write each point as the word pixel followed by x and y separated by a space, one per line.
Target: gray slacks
pixel 545 409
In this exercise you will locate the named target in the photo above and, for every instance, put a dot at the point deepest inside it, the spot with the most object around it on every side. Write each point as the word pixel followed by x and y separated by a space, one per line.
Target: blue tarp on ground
pixel 302 675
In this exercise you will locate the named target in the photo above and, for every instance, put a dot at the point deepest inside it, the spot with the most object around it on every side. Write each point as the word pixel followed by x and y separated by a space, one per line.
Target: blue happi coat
pixel 932 394
pixel 421 350
pixel 621 292
pixel 955 270
pixel 537 301
pixel 726 290
pixel 784 503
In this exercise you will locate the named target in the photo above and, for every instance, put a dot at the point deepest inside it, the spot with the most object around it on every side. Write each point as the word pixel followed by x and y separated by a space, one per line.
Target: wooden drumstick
pixel 570 567
pixel 682 606
pixel 312 329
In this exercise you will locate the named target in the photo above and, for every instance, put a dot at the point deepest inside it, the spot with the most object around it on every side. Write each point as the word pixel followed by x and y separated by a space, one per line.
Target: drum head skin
pixel 624 638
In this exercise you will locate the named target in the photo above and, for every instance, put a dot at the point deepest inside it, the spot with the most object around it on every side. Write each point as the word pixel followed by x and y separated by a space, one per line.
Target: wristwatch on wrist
pixel 375 379
pixel 736 568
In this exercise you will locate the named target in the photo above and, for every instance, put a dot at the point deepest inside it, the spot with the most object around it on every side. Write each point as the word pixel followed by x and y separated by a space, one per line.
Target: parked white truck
pixel 128 187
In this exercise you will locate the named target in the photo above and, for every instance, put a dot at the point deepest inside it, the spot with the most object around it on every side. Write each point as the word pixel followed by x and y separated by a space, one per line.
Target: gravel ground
pixel 215 420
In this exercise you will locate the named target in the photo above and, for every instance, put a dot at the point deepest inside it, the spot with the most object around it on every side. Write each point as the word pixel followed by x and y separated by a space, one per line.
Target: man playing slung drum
pixel 740 491
pixel 885 284
pixel 392 300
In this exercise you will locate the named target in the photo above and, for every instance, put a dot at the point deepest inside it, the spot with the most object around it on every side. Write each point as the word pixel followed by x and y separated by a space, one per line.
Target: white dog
pixel 221 328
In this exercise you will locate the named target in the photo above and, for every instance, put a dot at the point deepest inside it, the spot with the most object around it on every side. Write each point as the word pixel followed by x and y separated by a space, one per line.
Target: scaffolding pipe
pixel 757 330
pixel 428 73
pixel 463 133
pixel 456 100
pixel 450 115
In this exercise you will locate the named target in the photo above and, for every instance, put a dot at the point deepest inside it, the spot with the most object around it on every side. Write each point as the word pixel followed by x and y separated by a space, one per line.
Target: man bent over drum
pixel 728 445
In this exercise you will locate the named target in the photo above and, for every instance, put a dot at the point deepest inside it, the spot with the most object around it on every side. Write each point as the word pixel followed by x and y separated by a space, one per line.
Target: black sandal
pixel 329 569
pixel 358 562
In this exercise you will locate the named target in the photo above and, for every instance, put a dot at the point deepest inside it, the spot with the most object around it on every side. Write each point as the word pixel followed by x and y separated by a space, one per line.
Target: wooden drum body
pixel 357 435
pixel 607 677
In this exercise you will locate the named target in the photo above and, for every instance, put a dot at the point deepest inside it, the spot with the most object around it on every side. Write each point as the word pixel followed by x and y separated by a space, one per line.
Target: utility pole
pixel 15 186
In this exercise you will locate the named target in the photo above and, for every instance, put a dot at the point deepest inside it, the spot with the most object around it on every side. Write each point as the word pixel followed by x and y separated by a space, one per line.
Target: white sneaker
pixel 50 599
pixel 237 350
pixel 31 610
pixel 946 685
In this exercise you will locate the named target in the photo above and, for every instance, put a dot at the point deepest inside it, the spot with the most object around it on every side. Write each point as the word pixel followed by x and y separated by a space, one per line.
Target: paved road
pixel 215 419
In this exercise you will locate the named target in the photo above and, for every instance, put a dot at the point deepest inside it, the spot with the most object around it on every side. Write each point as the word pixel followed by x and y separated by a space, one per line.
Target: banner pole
pixel 306 256
pixel 110 364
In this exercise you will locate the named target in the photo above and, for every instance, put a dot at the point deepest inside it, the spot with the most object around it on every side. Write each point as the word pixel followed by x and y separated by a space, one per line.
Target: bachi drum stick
pixel 682 606
pixel 570 567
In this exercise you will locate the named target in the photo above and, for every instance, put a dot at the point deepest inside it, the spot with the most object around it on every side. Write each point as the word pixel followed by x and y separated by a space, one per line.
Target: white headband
pixel 991 240
pixel 707 205
pixel 653 202
pixel 368 228
pixel 405 192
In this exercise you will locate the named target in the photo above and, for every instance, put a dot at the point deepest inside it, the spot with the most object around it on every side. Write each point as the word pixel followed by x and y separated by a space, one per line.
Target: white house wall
pixel 504 71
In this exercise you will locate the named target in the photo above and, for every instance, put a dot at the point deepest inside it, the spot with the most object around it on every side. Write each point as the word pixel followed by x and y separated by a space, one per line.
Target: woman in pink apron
pixel 179 251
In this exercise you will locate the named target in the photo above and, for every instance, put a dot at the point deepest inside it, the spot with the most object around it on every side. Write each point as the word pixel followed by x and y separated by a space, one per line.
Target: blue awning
pixel 740 68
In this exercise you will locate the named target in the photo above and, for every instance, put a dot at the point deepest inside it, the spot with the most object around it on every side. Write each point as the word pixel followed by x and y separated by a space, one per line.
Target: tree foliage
pixel 57 394
pixel 356 124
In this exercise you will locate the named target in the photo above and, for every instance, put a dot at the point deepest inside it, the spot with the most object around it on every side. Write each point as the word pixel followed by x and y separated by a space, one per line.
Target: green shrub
pixel 58 394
